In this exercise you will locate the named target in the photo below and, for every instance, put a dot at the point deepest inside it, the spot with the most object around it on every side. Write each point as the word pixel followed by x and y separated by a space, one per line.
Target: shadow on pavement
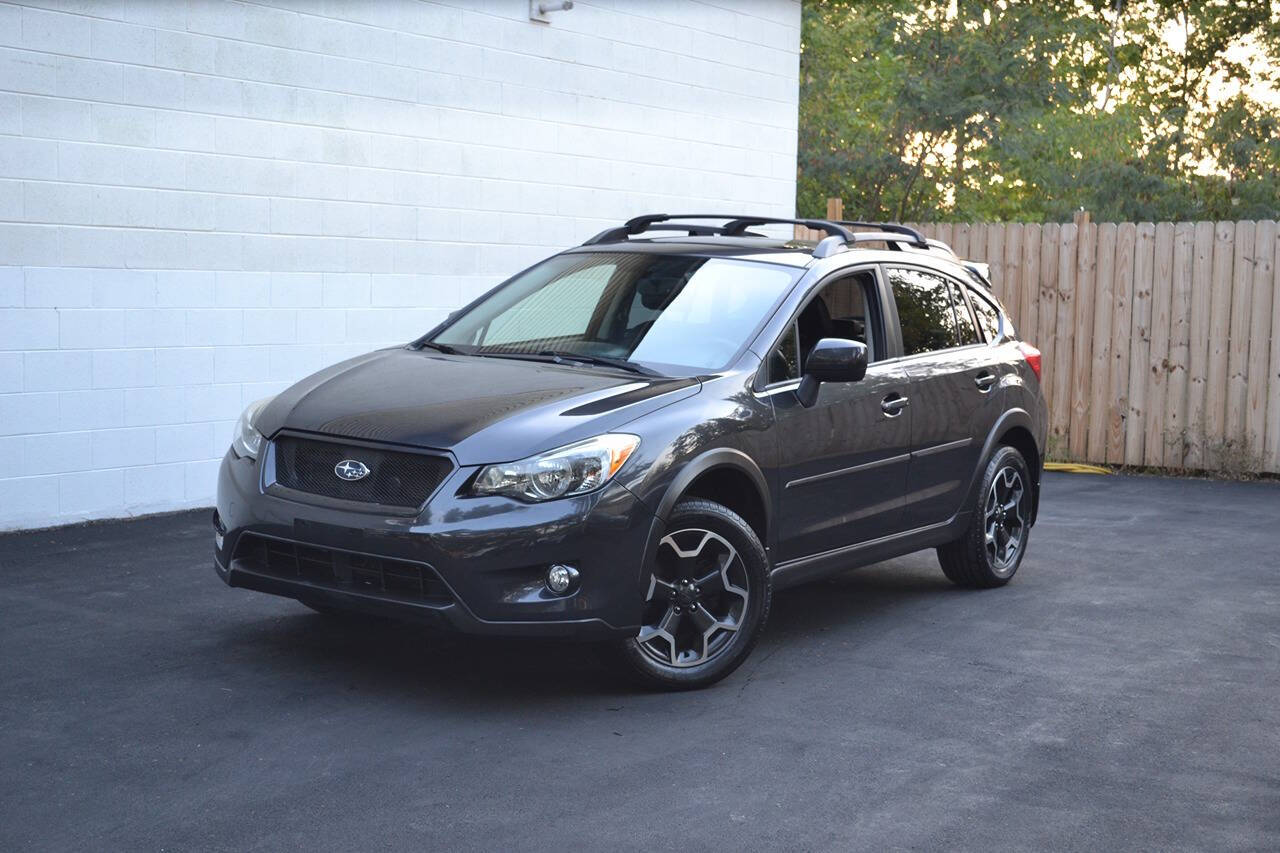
pixel 405 659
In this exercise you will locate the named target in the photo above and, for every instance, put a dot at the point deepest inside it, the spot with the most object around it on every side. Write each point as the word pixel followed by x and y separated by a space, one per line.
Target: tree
pixel 1031 110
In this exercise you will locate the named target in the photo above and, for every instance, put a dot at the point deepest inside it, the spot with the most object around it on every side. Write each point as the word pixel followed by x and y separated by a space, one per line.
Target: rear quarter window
pixel 987 314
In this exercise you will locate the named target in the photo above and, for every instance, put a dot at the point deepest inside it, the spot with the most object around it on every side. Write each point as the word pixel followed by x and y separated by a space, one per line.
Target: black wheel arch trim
pixel 1015 417
pixel 710 460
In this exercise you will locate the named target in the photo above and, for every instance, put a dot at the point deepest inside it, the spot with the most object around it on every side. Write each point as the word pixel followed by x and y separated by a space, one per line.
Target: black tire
pixel 718 602
pixel 971 561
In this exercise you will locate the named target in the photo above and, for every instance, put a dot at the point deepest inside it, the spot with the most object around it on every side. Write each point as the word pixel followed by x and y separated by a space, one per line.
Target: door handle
pixel 984 381
pixel 893 405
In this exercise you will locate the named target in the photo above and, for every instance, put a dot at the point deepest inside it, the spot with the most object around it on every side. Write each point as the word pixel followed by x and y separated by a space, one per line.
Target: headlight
pixel 571 470
pixel 248 441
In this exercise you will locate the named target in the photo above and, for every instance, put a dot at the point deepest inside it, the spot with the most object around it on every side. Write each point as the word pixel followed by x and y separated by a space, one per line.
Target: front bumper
pixel 471 564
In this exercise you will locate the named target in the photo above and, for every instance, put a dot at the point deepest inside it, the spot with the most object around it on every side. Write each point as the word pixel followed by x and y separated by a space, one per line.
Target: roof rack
pixel 829 246
pixel 840 233
pixel 917 238
pixel 734 226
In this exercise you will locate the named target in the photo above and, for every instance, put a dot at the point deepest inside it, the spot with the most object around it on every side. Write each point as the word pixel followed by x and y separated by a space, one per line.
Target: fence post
pixel 835 209
pixel 1060 399
pixel 1215 403
pixel 1167 248
pixel 1122 343
pixel 1135 428
pixel 1102 400
pixel 1081 332
pixel 1262 338
pixel 1197 361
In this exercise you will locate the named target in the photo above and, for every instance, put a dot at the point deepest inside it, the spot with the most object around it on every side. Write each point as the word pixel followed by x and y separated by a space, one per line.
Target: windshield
pixel 662 309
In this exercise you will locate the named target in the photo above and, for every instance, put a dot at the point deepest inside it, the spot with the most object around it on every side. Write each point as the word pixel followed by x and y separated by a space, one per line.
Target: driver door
pixel 843 461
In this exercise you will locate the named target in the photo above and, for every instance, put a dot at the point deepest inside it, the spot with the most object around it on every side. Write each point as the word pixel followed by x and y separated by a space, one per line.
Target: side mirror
pixel 837 360
pixel 831 360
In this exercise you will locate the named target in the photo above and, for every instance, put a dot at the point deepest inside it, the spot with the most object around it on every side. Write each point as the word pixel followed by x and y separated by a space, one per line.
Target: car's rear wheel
pixel 993 545
pixel 706 601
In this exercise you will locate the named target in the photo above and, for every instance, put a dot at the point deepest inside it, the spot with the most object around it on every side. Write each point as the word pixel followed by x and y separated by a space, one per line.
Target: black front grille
pixel 395 478
pixel 341 570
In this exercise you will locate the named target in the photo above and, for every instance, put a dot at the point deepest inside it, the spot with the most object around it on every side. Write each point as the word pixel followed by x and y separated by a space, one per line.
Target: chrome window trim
pixel 793 384
pixel 932 353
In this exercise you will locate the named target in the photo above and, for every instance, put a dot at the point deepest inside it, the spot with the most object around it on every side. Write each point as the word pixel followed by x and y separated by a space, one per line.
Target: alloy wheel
pixel 697 599
pixel 1005 518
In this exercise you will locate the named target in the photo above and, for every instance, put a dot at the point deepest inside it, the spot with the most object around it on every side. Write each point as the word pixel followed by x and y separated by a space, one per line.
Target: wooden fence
pixel 1161 342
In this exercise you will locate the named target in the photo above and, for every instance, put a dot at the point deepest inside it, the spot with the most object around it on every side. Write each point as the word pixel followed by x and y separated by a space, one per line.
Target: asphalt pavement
pixel 1123 692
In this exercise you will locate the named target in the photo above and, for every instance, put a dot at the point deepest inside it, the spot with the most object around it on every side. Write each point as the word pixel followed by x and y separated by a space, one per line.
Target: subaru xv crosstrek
pixel 639 439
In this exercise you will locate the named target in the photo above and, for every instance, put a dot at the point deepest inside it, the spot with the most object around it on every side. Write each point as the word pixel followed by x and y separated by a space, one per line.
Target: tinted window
pixel 838 310
pixel 784 364
pixel 966 328
pixel 988 316
pixel 924 311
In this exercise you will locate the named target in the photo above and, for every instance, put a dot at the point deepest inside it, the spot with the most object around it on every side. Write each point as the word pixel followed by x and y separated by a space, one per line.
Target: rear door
pixel 842 462
pixel 955 390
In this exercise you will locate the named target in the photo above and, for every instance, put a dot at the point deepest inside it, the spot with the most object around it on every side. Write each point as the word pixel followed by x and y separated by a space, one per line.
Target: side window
pixel 924 311
pixel 841 309
pixel 784 363
pixel 966 328
pixel 988 316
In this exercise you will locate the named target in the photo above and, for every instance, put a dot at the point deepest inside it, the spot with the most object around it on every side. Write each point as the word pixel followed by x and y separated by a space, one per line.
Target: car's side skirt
pixel 808 568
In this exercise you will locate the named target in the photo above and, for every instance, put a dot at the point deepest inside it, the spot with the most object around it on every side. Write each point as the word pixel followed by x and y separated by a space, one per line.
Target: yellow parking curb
pixel 1076 468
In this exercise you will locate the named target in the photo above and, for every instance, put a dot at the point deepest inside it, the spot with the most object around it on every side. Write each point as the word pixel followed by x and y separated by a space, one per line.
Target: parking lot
pixel 1122 692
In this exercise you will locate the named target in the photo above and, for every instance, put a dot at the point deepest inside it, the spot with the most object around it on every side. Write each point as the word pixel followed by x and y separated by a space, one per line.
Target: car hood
pixel 481 409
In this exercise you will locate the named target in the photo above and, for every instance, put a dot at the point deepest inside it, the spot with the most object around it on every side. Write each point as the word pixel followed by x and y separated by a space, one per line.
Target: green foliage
pixel 1033 109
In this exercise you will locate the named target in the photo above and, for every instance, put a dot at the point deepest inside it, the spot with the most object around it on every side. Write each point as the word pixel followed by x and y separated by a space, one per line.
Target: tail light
pixel 1032 355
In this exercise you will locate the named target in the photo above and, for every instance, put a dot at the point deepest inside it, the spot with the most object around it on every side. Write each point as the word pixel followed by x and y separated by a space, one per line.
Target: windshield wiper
pixel 558 356
pixel 444 348
pixel 602 360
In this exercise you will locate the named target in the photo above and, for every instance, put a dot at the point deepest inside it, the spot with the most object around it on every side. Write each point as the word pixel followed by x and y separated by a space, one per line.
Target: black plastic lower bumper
pixel 445 615
pixel 472 565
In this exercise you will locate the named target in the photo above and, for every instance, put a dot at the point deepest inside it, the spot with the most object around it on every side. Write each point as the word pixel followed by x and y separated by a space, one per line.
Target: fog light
pixel 218 529
pixel 561 579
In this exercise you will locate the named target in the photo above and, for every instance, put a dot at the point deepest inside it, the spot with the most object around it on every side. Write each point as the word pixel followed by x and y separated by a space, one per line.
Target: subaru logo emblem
pixel 350 469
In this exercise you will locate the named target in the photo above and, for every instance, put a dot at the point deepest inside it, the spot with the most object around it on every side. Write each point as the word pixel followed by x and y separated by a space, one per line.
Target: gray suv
pixel 636 441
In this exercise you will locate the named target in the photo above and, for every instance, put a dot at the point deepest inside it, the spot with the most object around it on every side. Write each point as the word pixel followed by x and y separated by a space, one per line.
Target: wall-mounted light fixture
pixel 540 10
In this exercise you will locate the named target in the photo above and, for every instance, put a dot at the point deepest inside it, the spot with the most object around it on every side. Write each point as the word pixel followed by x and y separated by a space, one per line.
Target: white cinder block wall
pixel 201 202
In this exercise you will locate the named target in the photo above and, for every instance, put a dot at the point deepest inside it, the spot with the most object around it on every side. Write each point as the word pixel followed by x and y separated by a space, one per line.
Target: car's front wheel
pixel 994 543
pixel 706 601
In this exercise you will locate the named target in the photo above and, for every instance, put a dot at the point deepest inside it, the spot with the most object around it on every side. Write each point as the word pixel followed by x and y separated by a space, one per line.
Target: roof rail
pixel 916 237
pixel 839 232
pixel 835 229
pixel 688 228
pixel 734 226
pixel 831 245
